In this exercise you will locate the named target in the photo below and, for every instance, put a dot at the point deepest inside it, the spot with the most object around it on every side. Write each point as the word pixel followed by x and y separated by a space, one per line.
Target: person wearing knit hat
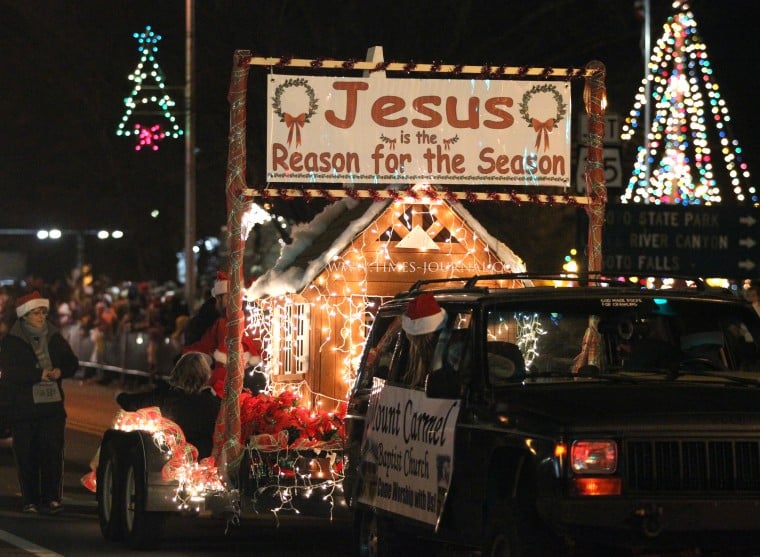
pixel 421 322
pixel 35 357
pixel 423 315
pixel 27 303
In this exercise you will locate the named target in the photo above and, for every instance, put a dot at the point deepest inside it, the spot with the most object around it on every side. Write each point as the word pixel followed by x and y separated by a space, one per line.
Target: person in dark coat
pixel 199 323
pixel 34 358
pixel 186 399
pixel 212 309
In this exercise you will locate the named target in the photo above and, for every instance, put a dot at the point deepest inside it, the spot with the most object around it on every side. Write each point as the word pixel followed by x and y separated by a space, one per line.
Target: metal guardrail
pixel 124 353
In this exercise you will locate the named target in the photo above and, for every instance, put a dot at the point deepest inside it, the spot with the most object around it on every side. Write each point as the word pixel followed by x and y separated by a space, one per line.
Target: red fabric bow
pixel 542 130
pixel 295 123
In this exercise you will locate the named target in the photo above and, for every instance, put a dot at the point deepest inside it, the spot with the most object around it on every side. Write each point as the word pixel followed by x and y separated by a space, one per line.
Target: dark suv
pixel 607 418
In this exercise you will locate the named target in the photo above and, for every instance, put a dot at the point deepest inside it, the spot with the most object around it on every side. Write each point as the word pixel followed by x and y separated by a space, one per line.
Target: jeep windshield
pixel 605 333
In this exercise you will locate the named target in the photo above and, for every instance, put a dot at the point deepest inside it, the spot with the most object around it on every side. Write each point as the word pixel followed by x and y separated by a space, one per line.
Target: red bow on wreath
pixel 295 123
pixel 542 129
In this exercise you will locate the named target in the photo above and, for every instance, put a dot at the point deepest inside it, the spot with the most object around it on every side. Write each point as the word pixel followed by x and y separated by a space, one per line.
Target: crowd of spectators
pixel 101 311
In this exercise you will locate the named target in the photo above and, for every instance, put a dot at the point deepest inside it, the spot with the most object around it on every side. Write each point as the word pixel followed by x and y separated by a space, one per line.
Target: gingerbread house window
pixel 290 346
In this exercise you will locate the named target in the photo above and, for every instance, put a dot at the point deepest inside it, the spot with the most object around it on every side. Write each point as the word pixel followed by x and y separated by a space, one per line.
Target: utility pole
pixel 190 205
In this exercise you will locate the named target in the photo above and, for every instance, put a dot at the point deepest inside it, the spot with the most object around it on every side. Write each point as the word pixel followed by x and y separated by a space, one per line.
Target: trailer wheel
pixel 109 493
pixel 142 529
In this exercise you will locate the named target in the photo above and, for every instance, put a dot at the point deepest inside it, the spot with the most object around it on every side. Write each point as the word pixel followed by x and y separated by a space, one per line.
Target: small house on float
pixel 314 307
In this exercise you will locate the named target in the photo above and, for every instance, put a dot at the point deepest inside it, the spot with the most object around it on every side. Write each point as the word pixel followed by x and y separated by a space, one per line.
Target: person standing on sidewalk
pixel 34 358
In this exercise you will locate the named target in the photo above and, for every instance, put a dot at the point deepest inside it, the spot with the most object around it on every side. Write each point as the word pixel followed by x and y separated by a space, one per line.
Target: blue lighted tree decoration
pixel 677 162
pixel 149 99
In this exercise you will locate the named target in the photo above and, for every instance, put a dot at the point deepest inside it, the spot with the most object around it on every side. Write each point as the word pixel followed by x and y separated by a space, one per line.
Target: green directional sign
pixel 662 240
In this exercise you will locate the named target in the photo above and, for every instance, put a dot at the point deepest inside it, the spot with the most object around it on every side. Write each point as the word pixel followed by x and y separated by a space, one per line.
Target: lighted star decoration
pixel 149 98
pixel 688 111
pixel 148 137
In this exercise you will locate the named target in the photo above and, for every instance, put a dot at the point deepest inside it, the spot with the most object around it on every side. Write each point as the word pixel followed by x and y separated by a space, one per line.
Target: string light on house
pixel 149 102
pixel 339 295
pixel 676 164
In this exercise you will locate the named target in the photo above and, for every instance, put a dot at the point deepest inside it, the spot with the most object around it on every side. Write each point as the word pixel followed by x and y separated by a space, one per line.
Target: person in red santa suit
pixel 213 341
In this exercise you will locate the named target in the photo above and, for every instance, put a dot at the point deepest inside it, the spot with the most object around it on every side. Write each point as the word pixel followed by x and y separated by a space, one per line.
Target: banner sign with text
pixel 437 131
pixel 407 452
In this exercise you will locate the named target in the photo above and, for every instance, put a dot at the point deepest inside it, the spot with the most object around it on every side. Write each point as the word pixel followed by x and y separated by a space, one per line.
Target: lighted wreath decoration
pixel 294 123
pixel 542 129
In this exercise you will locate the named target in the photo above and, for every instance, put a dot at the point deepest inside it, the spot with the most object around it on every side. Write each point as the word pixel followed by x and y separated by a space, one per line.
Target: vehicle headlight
pixel 598 456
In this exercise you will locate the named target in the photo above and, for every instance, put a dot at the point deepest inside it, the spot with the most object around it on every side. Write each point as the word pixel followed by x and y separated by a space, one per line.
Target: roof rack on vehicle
pixel 417 286
pixel 468 284
pixel 471 283
pixel 584 279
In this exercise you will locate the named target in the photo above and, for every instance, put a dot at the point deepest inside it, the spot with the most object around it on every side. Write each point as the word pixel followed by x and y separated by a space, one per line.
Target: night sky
pixel 64 77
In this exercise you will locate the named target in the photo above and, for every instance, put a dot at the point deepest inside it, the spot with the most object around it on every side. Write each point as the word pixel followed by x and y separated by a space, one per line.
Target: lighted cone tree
pixel 689 118
pixel 149 100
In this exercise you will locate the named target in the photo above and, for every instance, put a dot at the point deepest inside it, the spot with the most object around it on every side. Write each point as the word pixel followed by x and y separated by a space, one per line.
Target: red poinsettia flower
pixel 267 414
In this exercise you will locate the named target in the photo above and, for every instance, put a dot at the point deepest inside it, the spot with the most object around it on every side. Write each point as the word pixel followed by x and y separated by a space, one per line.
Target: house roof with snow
pixel 318 241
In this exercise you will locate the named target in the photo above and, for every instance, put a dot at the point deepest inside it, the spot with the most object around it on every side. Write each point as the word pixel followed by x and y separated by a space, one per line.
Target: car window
pixel 450 368
pixel 380 350
pixel 547 341
pixel 554 337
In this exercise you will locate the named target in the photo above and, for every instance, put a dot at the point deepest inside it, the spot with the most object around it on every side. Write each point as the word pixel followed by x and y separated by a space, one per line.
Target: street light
pixel 53 234
pixel 56 234
pixel 105 234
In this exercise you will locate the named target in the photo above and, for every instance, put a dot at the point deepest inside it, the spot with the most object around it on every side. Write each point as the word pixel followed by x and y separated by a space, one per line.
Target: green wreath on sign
pixel 294 123
pixel 542 128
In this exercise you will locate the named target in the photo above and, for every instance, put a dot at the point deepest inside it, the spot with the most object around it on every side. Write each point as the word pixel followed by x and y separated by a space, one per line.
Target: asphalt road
pixel 76 533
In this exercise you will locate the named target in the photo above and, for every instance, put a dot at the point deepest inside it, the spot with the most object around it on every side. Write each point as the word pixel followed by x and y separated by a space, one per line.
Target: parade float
pixel 399 159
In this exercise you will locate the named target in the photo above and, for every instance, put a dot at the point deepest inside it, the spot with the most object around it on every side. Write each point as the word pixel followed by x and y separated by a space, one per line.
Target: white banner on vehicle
pixel 435 131
pixel 407 452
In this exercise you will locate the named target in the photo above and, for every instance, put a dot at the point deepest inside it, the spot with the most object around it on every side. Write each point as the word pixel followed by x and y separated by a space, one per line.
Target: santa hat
pixel 220 284
pixel 423 315
pixel 251 352
pixel 27 303
pixel 220 356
